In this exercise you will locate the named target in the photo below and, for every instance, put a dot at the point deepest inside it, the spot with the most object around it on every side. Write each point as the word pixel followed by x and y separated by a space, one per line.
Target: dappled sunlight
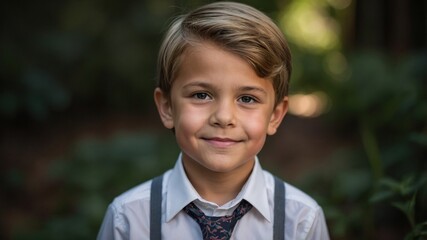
pixel 307 24
pixel 308 105
pixel 336 64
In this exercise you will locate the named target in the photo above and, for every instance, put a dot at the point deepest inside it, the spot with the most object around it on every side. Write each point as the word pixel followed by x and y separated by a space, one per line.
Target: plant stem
pixel 370 145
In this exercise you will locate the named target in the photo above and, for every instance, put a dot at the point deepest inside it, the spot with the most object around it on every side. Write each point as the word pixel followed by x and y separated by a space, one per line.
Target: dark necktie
pixel 217 228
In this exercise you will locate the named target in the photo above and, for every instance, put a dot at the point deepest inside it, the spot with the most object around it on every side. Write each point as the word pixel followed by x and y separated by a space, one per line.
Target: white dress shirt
pixel 128 216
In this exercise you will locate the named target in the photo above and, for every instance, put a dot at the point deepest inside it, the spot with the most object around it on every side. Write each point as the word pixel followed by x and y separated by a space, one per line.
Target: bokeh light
pixel 308 105
pixel 307 24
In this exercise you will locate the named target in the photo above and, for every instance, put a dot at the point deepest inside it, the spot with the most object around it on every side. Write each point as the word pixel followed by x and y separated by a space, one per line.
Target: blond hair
pixel 235 27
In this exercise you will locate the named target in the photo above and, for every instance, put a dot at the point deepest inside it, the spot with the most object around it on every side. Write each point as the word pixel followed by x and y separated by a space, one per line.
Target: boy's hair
pixel 236 28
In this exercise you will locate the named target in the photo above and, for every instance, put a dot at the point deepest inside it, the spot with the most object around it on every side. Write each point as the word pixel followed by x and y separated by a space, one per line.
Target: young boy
pixel 223 81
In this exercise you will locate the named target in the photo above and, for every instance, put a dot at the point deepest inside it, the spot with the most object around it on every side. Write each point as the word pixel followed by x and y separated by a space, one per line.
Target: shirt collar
pixel 180 192
pixel 254 191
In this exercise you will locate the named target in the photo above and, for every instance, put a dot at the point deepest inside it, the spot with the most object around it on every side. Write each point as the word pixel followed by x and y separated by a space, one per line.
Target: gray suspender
pixel 279 210
pixel 156 209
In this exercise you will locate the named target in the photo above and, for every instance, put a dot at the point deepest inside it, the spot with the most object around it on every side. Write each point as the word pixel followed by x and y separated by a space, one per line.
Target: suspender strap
pixel 156 208
pixel 279 210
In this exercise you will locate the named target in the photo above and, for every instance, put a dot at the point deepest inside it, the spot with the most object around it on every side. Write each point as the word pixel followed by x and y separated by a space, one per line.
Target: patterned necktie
pixel 217 228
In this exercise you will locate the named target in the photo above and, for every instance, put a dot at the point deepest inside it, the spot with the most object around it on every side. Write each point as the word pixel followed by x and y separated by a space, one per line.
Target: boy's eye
pixel 201 95
pixel 247 99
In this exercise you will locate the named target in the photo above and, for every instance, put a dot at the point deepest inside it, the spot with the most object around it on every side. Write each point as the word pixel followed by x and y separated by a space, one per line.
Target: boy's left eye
pixel 247 99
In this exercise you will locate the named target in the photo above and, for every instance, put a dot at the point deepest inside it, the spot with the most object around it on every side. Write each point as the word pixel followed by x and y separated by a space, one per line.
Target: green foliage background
pixel 59 57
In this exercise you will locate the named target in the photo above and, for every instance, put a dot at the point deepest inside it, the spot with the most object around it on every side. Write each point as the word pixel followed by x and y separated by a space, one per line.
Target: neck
pixel 217 187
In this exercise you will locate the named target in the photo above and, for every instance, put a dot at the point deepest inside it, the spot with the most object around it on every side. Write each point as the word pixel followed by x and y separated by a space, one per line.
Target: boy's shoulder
pixel 294 195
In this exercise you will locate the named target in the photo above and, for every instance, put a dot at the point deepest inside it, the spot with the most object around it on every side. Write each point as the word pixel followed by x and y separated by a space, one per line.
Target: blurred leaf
pixel 353 184
pixel 408 208
pixel 420 139
pixel 419 232
pixel 381 196
pixel 402 206
pixel 390 184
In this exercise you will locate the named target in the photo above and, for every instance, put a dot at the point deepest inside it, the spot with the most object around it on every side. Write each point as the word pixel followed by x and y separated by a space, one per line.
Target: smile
pixel 221 142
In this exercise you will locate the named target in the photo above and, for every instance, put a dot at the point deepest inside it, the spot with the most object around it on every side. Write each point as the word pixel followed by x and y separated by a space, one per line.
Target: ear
pixel 277 116
pixel 164 107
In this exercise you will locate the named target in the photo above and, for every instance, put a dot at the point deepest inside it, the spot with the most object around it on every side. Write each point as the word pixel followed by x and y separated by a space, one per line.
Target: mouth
pixel 221 142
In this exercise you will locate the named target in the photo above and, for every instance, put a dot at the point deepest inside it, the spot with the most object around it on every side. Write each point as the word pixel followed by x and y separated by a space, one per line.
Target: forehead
pixel 208 62
pixel 209 57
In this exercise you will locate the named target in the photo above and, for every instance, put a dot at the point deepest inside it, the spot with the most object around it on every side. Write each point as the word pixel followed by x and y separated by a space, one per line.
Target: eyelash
pixel 200 95
pixel 243 99
pixel 250 98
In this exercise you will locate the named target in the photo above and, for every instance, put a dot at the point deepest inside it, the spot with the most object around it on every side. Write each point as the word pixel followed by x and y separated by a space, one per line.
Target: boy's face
pixel 220 109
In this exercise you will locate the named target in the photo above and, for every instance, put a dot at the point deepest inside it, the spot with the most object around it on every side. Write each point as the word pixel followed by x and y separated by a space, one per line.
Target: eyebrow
pixel 253 88
pixel 198 84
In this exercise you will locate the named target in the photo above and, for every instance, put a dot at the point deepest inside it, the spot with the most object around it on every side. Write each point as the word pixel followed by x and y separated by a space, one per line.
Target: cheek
pixel 256 130
pixel 189 119
pixel 256 125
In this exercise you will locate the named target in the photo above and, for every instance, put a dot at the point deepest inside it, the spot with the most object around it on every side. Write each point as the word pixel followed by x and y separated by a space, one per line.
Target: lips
pixel 221 142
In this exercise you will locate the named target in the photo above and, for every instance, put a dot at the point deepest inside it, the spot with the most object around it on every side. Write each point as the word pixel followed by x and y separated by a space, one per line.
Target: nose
pixel 223 114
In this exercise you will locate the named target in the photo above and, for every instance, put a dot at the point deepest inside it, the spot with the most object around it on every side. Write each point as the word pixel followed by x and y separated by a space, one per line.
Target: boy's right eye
pixel 201 95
